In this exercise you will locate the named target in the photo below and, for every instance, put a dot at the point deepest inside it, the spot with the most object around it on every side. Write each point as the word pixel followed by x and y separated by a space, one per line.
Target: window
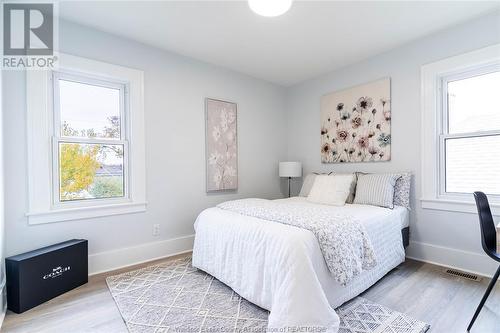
pixel 461 131
pixel 90 138
pixel 86 150
pixel 471 132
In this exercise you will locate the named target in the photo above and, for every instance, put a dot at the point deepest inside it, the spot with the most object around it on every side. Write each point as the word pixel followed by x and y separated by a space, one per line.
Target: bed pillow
pixel 330 190
pixel 402 191
pixel 309 181
pixel 376 189
pixel 307 184
pixel 352 189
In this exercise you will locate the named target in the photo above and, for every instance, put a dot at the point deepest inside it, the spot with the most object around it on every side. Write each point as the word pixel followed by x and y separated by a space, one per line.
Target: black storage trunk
pixel 37 276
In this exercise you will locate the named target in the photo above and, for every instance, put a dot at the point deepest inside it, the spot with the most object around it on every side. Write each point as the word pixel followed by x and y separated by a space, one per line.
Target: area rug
pixel 176 297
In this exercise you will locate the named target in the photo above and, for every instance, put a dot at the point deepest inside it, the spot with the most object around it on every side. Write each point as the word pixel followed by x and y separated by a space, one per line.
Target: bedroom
pixel 155 73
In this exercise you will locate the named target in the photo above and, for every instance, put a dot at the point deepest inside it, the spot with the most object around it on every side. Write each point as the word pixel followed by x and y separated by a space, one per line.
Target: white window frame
pixel 59 138
pixel 44 136
pixel 435 77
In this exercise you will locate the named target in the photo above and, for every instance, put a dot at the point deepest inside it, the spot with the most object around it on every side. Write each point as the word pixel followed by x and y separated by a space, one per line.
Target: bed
pixel 281 268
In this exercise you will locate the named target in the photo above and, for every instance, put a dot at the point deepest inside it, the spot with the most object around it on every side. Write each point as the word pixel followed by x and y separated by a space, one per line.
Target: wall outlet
pixel 156 229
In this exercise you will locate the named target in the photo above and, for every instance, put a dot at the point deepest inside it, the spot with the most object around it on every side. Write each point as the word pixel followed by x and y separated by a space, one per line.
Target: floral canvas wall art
pixel 221 145
pixel 356 124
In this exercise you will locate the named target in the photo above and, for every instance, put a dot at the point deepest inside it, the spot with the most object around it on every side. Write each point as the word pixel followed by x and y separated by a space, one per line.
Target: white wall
pixel 274 124
pixel 175 88
pixel 444 237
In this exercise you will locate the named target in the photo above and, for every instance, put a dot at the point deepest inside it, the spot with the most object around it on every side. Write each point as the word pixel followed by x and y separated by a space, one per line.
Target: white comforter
pixel 281 267
pixel 345 245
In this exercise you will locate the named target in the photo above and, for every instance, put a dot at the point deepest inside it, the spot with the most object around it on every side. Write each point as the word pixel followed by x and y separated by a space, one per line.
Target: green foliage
pixel 80 162
pixel 78 165
pixel 107 187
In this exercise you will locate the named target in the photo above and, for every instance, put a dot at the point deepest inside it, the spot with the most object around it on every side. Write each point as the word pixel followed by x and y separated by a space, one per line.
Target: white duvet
pixel 281 268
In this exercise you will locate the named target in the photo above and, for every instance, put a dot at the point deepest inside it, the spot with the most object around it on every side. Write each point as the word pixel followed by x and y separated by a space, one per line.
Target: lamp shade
pixel 290 169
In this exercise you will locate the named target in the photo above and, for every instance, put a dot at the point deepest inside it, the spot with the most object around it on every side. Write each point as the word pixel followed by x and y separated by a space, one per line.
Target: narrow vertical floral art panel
pixel 356 124
pixel 221 145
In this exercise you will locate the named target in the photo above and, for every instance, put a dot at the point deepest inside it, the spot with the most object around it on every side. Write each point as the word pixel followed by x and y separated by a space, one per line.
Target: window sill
pixel 79 213
pixel 456 206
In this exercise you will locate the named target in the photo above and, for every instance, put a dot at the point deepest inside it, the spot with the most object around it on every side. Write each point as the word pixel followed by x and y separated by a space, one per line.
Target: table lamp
pixel 290 170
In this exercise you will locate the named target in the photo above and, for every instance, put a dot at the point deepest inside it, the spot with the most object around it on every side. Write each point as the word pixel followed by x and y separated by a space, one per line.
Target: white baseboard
pixel 472 262
pixel 119 258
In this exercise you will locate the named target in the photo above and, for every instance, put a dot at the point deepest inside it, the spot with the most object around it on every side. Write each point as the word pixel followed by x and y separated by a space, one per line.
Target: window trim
pixel 42 208
pixel 444 127
pixel 442 164
pixel 58 204
pixel 58 138
pixel 93 81
pixel 433 132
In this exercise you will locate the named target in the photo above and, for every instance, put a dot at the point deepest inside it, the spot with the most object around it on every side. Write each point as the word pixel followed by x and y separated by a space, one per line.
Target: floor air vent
pixel 463 275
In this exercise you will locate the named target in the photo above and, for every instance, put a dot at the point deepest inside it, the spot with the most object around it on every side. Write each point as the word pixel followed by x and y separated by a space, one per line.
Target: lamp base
pixel 289 179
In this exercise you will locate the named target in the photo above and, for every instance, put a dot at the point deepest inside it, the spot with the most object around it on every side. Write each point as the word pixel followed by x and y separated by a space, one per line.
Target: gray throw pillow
pixel 376 189
pixel 402 190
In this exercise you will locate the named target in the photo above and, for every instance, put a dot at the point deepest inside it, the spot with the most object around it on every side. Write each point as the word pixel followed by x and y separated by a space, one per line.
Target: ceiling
pixel 312 38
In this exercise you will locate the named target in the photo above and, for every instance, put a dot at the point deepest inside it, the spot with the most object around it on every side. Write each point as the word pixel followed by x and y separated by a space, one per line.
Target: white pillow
pixel 330 190
pixel 307 185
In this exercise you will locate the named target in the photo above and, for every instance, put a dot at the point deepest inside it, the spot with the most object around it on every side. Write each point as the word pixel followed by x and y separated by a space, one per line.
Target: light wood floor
pixel 418 289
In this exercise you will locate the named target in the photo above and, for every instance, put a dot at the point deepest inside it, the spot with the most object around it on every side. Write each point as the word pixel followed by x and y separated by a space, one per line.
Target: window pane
pixel 89 111
pixel 90 171
pixel 473 105
pixel 473 164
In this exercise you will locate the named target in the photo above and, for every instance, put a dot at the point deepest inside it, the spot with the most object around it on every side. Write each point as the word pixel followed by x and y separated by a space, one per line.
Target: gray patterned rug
pixel 176 297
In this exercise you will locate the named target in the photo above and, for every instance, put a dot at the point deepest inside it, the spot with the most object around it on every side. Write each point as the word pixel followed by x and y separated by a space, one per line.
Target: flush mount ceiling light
pixel 270 8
